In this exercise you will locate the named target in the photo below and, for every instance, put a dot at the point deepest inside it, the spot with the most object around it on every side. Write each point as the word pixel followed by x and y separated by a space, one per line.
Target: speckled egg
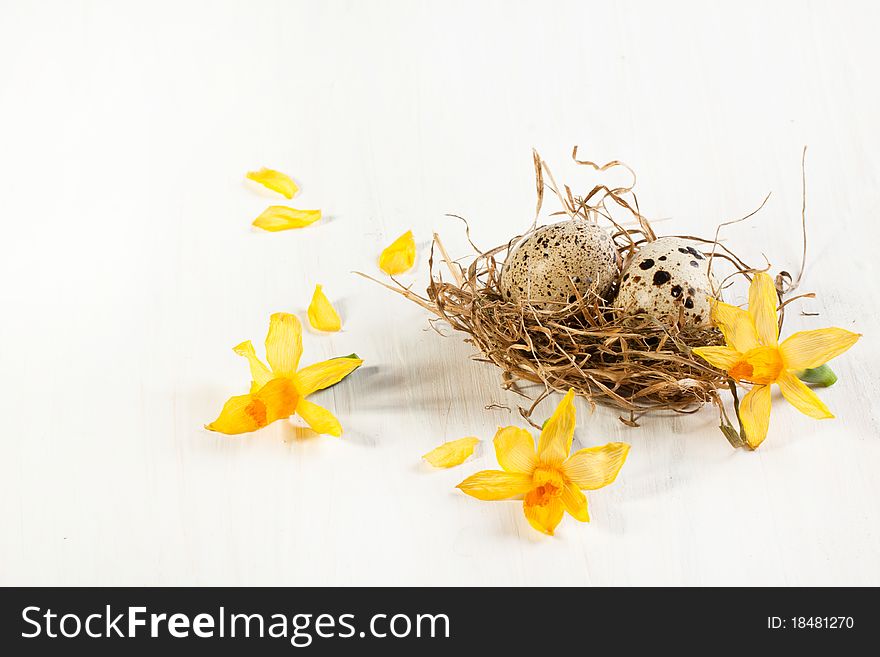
pixel 538 269
pixel 666 277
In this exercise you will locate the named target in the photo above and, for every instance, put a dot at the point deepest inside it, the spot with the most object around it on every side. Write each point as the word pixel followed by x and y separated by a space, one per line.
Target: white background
pixel 129 269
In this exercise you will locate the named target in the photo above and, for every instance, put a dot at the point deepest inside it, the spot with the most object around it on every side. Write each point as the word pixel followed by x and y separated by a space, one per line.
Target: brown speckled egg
pixel 538 269
pixel 665 277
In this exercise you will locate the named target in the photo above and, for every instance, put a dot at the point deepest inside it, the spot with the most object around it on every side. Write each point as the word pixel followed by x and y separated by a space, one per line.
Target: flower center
pixel 548 484
pixel 759 365
pixel 257 410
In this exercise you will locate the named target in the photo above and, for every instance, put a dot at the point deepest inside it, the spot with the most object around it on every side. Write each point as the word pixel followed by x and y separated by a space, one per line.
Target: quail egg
pixel 540 269
pixel 667 277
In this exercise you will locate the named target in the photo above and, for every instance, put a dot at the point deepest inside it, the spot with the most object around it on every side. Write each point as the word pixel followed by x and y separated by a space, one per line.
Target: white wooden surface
pixel 129 270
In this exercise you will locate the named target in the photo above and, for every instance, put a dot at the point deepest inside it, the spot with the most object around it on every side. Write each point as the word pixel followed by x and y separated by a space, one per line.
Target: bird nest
pixel 630 361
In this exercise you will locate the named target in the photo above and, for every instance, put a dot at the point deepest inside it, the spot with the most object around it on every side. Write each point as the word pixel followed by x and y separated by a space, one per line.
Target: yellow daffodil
pixel 754 355
pixel 322 314
pixel 280 217
pixel 399 255
pixel 274 180
pixel 453 453
pixel 550 480
pixel 280 390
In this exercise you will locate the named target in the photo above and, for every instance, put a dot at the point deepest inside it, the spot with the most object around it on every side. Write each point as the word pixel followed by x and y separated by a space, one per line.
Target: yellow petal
pixel 318 418
pixel 399 256
pixel 322 315
pixel 280 217
pixel 544 517
pixel 595 467
pixel 284 344
pixel 496 485
pixel 754 413
pixel 554 443
pixel 274 401
pixel 275 180
pixel 721 357
pixel 325 374
pixel 260 374
pixel 762 308
pixel 809 349
pixel 515 450
pixel 736 324
pixel 575 502
pixel 455 452
pixel 802 398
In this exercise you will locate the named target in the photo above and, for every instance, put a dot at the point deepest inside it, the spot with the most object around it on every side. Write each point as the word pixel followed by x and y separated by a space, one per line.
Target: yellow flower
pixel 399 255
pixel 322 315
pixel 550 480
pixel 753 354
pixel 274 180
pixel 280 217
pixel 281 387
pixel 453 453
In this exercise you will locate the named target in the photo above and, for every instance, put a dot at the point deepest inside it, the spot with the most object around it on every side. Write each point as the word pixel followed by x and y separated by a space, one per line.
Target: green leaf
pixel 821 376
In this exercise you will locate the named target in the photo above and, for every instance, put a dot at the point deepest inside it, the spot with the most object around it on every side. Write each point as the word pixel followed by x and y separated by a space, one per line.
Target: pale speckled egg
pixel 538 269
pixel 666 277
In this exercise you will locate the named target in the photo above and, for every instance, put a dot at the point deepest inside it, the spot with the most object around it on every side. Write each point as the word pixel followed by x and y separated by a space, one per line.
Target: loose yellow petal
pixel 284 344
pixel 280 217
pixel 802 398
pixel 515 450
pixel 809 349
pixel 575 502
pixel 399 256
pixel 260 374
pixel 595 467
pixel 274 401
pixel 554 443
pixel 318 418
pixel 455 452
pixel 275 180
pixel 762 308
pixel 496 485
pixel 721 357
pixel 736 324
pixel 325 374
pixel 754 413
pixel 544 517
pixel 322 315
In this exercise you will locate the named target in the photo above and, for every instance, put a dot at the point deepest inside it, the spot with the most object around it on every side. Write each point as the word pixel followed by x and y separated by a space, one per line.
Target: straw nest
pixel 631 362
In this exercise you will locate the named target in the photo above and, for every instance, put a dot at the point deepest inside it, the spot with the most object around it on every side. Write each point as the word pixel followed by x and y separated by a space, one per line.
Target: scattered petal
pixel 399 256
pixel 455 452
pixel 280 217
pixel 322 315
pixel 275 180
